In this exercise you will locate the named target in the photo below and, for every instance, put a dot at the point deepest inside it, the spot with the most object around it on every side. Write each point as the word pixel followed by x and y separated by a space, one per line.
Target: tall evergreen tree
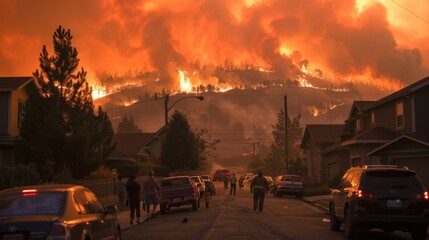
pixel 276 160
pixel 184 149
pixel 127 125
pixel 61 130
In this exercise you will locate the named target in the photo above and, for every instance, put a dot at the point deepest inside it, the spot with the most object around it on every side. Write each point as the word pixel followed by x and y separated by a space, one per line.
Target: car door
pixel 103 222
pixel 89 215
pixel 342 192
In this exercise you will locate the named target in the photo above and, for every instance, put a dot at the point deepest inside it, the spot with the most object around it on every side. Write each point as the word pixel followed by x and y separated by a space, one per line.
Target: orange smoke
pixel 370 41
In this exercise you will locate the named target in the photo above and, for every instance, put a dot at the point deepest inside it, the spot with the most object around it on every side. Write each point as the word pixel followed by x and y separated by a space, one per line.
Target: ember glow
pixel 379 42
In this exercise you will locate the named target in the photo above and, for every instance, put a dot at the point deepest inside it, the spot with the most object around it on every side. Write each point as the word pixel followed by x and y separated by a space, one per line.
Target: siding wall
pixel 14 131
pixel 4 113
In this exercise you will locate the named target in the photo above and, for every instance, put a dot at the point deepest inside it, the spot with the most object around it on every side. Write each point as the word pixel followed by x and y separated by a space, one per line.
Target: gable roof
pixel 8 84
pixel 321 133
pixel 131 143
pixel 406 90
pixel 373 135
pixel 398 139
pixel 358 106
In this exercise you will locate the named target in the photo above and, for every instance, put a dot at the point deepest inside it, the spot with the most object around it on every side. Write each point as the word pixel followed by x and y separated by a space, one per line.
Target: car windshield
pixel 390 179
pixel 34 203
pixel 292 178
pixel 174 181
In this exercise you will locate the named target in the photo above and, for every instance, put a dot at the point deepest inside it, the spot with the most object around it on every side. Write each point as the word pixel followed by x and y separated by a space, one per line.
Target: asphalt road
pixel 232 217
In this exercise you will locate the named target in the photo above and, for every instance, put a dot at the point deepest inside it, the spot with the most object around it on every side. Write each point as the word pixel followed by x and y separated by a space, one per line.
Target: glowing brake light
pixel 426 195
pixel 364 195
pixel 29 192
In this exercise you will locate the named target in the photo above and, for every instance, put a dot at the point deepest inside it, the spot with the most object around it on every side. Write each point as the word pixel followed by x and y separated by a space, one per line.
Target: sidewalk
pixel 320 201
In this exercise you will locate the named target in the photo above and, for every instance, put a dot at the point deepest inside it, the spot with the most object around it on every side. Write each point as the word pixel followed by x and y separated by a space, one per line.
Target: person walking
pixel 233 183
pixel 225 181
pixel 241 183
pixel 259 187
pixel 121 192
pixel 134 192
pixel 207 193
pixel 151 193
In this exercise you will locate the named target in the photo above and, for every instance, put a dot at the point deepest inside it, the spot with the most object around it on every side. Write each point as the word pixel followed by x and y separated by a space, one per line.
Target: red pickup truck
pixel 177 191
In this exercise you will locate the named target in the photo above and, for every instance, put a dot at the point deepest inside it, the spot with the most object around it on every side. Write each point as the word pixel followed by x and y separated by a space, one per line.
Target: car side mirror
pixel 111 209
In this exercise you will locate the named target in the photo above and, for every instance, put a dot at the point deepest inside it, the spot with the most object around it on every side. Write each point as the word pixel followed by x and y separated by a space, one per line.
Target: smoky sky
pixel 369 41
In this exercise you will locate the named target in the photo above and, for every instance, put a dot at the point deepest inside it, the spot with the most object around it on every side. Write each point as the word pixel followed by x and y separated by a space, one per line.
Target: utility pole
pixel 286 132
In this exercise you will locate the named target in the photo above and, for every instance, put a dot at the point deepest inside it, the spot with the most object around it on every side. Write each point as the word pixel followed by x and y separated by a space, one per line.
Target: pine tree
pixel 127 125
pixel 184 149
pixel 61 131
pixel 276 160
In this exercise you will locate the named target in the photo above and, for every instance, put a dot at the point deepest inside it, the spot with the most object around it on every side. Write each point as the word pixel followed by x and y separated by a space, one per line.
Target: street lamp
pixel 166 108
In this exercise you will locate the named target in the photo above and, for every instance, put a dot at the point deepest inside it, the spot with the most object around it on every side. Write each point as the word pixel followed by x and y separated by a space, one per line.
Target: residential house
pixel 14 91
pixel 392 130
pixel 317 137
pixel 137 147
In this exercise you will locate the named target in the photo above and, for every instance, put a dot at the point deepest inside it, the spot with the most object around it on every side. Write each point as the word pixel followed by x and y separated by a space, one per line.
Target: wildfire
pixel 317 111
pixel 184 82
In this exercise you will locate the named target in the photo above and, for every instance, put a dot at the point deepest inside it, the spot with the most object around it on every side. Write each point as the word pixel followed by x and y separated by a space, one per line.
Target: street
pixel 232 217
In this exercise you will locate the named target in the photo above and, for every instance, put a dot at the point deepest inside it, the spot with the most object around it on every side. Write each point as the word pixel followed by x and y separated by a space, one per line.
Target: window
pixel 399 115
pixel 372 119
pixel 359 125
pixel 21 106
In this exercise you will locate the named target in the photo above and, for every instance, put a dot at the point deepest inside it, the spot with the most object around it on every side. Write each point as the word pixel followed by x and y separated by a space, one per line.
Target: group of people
pixel 131 194
pixel 259 187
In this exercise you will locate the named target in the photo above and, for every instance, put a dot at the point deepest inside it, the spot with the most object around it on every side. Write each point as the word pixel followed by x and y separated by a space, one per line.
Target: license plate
pixel 13 237
pixel 397 203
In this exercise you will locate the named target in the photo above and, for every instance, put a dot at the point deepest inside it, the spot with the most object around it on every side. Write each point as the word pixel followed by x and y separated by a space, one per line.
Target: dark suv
pixel 380 196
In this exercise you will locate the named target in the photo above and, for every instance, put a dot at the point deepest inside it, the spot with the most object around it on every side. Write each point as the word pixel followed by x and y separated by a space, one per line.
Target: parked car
pixel 201 185
pixel 385 197
pixel 288 185
pixel 270 183
pixel 178 191
pixel 220 174
pixel 56 212
pixel 206 178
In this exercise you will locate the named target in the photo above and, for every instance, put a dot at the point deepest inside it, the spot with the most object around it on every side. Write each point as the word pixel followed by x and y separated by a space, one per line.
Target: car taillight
pixel 59 231
pixel 29 192
pixel 424 196
pixel 364 195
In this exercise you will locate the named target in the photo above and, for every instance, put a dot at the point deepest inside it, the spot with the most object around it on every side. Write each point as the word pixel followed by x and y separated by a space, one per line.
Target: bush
pixel 20 175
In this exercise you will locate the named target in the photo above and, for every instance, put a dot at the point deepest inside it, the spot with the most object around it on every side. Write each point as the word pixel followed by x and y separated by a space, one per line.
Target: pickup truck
pixel 178 191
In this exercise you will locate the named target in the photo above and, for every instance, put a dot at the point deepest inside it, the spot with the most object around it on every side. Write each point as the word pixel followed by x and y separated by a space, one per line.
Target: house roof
pixel 13 83
pixel 373 135
pixel 358 106
pixel 398 139
pixel 131 143
pixel 321 133
pixel 406 90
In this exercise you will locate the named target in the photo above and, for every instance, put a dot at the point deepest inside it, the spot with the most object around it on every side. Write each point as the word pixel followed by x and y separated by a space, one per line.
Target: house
pixel 137 147
pixel 317 137
pixel 392 130
pixel 14 92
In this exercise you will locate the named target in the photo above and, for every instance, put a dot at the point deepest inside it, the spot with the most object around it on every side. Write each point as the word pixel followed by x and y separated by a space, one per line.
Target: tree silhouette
pixel 61 131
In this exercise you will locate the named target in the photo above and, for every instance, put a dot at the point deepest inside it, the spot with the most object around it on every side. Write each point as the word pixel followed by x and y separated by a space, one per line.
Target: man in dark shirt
pixel 259 187
pixel 133 189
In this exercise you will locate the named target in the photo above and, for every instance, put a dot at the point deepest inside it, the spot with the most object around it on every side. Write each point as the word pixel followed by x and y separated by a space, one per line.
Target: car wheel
pixel 419 232
pixel 350 228
pixel 194 205
pixel 335 224
pixel 162 208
